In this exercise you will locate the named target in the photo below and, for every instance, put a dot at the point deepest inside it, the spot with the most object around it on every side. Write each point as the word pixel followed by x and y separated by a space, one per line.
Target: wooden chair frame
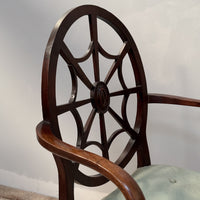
pixel 69 157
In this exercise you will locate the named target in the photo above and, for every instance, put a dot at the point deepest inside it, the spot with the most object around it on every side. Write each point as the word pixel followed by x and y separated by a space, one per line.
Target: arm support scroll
pixel 117 175
pixel 172 99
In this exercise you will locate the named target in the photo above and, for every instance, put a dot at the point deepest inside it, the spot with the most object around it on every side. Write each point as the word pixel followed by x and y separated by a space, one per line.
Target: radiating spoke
pixel 117 62
pixel 103 135
pixel 68 57
pixel 94 38
pixel 122 123
pixel 126 91
pixel 66 107
pixel 88 126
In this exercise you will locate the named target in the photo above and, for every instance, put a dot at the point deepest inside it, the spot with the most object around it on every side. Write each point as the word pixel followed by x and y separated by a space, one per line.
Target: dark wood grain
pixel 123 123
pixel 104 140
pixel 106 54
pixel 117 175
pixel 126 91
pixel 87 54
pixel 66 107
pixel 117 62
pixel 87 127
pixel 94 38
pixel 172 99
pixel 68 57
pixel 68 157
pixel 99 97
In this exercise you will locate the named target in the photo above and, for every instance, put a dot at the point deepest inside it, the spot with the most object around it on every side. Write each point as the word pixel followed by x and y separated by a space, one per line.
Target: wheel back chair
pixel 148 181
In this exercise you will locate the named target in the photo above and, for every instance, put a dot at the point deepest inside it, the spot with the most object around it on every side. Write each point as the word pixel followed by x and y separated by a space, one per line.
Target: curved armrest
pixel 117 175
pixel 172 99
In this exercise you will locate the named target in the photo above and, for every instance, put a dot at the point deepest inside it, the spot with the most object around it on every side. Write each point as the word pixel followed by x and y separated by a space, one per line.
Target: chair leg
pixel 66 180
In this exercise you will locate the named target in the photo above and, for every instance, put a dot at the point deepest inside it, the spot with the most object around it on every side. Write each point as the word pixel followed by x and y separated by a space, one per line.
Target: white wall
pixel 167 35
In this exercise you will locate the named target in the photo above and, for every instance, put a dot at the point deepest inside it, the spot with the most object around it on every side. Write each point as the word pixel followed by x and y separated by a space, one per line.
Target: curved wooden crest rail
pixel 68 157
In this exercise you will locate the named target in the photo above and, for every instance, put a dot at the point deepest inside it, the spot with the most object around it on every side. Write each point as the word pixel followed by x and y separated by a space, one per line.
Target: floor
pixel 8 193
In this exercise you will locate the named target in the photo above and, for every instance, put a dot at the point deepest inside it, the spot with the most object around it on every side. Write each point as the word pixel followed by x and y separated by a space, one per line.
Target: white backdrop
pixel 167 34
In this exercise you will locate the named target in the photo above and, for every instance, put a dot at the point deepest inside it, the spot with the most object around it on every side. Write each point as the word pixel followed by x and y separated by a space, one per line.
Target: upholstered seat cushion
pixel 159 182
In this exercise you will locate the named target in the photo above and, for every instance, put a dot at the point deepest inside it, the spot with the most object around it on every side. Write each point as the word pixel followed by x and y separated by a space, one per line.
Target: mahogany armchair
pixel 147 182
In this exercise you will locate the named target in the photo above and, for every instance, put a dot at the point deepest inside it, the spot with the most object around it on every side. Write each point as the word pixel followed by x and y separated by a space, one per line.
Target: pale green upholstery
pixel 160 182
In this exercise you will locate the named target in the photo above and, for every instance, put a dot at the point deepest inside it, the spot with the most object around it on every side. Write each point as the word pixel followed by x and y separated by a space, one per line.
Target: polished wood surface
pixel 110 170
pixel 67 157
pixel 173 99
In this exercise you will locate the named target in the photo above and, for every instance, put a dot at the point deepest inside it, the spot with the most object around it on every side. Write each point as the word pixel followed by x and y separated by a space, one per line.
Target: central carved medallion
pixel 100 97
